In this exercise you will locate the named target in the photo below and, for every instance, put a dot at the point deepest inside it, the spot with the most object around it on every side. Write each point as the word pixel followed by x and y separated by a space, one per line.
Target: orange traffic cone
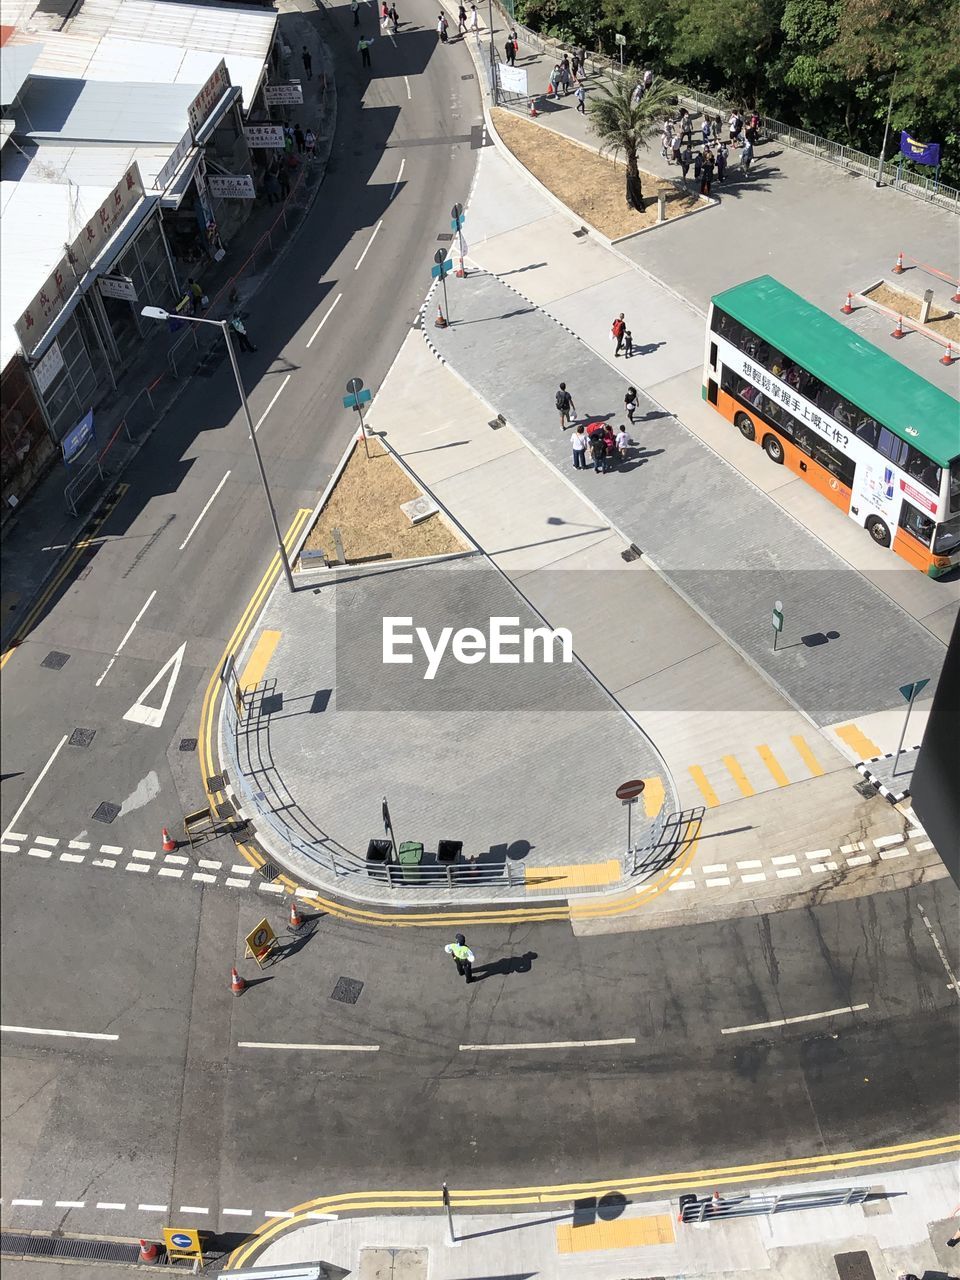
pixel 551 91
pixel 148 1251
pixel 237 984
pixel 898 331
pixel 169 844
pixel 898 266
pixel 948 357
pixel 440 322
pixel 533 107
pixel 956 295
pixel 847 307
pixel 296 919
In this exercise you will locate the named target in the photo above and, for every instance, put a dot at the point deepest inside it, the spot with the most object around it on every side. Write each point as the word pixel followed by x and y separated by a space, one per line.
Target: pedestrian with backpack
pixel 598 448
pixel 617 330
pixel 565 405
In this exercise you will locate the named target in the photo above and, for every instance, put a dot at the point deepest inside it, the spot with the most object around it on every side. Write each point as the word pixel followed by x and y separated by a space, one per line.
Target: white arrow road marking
pixel 153 716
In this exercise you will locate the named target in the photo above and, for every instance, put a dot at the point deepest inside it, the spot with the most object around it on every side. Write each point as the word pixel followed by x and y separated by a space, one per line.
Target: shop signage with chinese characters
pixel 231 186
pixel 281 95
pixel 45 370
pixel 263 135
pixel 201 108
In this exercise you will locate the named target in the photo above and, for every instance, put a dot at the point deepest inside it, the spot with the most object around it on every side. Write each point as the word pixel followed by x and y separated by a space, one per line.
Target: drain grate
pixel 82 737
pixel 55 660
pixel 866 789
pixel 269 871
pixel 188 744
pixel 30 1246
pixel 105 812
pixel 347 990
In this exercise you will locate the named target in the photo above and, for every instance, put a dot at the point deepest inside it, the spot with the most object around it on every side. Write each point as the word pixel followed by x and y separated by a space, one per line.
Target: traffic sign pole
pixel 627 793
pixel 777 620
pixel 909 691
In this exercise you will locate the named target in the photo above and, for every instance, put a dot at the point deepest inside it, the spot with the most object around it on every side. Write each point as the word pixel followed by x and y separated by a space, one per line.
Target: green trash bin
pixel 410 854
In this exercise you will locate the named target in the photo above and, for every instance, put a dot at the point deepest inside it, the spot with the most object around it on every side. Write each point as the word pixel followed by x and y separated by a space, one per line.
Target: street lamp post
pixel 158 313
pixel 494 84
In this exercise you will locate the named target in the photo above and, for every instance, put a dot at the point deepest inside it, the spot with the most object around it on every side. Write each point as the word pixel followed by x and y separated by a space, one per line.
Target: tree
pixel 623 122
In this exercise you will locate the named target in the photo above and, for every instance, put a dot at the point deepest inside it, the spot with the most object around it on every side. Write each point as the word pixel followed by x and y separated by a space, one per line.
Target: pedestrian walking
pixel 240 329
pixel 666 141
pixel 463 957
pixel 384 12
pixel 442 28
pixel 555 78
pixel 565 75
pixel 565 405
pixel 686 160
pixel 283 178
pixel 394 19
pixel 746 156
pixel 310 143
pixel 271 187
pixel 706 174
pixel 299 139
pixel 675 149
pixel 685 125
pixel 581 95
pixel 721 161
pixel 698 167
pixel 598 448
pixel 355 10
pixel 579 442
pixel 462 20
pixel 307 60
pixel 630 403
pixel 716 129
pixel 705 130
pixel 637 95
pixel 627 343
pixel 510 48
pixel 617 330
pixel 582 59
pixel 195 294
pixel 475 21
pixel 624 442
pixel 575 63
pixel 287 140
pixel 363 48
pixel 734 125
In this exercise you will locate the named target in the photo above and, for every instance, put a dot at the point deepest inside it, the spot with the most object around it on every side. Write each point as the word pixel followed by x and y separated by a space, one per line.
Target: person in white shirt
pixel 623 442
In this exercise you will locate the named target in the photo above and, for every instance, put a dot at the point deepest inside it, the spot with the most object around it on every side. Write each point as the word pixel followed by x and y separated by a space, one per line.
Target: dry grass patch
pixel 590 185
pixel 365 507
pixel 945 323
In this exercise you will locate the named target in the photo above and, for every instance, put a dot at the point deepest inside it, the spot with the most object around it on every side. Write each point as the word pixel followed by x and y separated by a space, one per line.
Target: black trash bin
pixel 378 855
pixel 448 852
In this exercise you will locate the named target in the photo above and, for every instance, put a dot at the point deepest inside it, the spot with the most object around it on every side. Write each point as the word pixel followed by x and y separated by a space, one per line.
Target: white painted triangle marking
pixel 153 716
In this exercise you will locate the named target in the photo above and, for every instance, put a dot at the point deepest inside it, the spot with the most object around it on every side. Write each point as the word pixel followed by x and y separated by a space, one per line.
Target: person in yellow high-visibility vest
pixel 463 957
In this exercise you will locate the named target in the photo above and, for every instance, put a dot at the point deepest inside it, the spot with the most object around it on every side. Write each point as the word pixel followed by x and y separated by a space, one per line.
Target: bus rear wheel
pixel 773 449
pixel 878 531
pixel 745 426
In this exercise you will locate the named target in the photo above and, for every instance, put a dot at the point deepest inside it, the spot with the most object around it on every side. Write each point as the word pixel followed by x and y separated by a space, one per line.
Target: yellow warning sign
pixel 260 942
pixel 182 1242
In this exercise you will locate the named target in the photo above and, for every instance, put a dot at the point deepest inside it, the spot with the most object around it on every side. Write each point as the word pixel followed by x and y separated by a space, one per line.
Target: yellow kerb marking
pixel 590 873
pixel 807 756
pixel 653 796
pixel 735 770
pixel 259 660
pixel 708 793
pixel 858 742
pixel 624 1234
pixel 773 765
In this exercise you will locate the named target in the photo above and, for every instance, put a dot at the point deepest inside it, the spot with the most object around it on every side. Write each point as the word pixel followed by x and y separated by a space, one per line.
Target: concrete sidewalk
pixel 902 1231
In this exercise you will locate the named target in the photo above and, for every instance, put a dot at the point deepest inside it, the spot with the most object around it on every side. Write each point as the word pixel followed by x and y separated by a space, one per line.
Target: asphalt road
pixel 173 1112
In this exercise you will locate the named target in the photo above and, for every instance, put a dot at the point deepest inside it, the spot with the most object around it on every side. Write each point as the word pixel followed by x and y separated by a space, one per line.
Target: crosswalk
pixel 762 767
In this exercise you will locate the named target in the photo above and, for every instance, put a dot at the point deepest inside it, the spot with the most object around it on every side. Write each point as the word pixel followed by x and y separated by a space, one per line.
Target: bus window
pixel 921 468
pixel 954 496
pixel 916 523
pixel 892 447
pixel 867 429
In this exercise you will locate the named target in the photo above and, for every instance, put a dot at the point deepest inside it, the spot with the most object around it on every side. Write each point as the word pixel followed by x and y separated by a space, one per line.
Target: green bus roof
pixel 882 387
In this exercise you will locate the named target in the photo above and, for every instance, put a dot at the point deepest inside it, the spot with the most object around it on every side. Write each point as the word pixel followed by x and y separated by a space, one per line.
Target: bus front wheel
pixel 773 449
pixel 745 426
pixel 878 531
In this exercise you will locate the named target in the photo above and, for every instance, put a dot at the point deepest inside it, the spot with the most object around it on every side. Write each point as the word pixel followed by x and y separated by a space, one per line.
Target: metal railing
pixel 846 157
pixel 716 1208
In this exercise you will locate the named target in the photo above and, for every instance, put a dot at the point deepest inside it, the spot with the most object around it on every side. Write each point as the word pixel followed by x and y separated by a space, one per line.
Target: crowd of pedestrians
pixel 713 158
pixel 597 444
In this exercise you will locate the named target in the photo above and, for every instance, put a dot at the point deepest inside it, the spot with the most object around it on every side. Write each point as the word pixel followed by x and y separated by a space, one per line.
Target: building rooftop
pixel 100 111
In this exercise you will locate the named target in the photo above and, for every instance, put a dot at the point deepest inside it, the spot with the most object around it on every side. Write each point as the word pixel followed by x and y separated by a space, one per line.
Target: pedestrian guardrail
pixel 716 1207
pixel 87 476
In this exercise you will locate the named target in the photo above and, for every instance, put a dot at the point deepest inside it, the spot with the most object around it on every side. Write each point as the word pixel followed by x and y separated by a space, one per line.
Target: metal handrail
pixel 717 1208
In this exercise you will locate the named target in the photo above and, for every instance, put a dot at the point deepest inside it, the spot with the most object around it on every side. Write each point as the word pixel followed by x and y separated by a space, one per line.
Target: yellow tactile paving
pixel 653 796
pixel 806 755
pixel 735 770
pixel 259 659
pixel 858 741
pixel 574 876
pixel 626 1233
pixel 773 765
pixel 708 793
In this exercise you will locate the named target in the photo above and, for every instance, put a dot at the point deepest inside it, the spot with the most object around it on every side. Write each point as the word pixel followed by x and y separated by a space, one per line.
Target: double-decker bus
pixel 880 442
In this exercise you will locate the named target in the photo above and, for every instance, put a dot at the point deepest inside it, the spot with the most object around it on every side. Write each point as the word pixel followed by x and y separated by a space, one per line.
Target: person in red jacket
pixel 618 329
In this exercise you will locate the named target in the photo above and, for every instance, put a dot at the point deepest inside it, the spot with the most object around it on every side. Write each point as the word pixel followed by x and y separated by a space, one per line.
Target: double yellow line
pixel 657 1184
pixel 602 907
pixel 80 545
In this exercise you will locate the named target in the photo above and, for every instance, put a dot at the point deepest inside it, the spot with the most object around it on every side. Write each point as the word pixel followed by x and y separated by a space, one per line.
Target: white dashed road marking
pixel 48 1031
pixel 52 841
pixel 546 1044
pixel 789 1022
pixel 72 857
pixel 323 1048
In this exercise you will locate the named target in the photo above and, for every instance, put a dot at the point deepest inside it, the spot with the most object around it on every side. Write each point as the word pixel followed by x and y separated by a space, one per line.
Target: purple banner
pixel 919 152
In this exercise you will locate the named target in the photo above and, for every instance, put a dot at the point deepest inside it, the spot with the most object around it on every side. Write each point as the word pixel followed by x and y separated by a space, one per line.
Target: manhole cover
pixel 188 744
pixel 82 737
pixel 865 788
pixel 55 660
pixel 854 1266
pixel 347 990
pixel 445 235
pixel 216 782
pixel 467 77
pixel 105 812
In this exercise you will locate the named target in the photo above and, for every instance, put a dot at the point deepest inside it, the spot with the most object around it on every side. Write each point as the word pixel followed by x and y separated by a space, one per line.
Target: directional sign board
pixel 260 942
pixel 357 398
pixel 440 270
pixel 630 790
pixel 912 690
pixel 182 1242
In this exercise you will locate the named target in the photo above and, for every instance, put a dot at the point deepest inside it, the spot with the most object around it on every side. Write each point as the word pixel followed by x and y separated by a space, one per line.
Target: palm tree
pixel 624 125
